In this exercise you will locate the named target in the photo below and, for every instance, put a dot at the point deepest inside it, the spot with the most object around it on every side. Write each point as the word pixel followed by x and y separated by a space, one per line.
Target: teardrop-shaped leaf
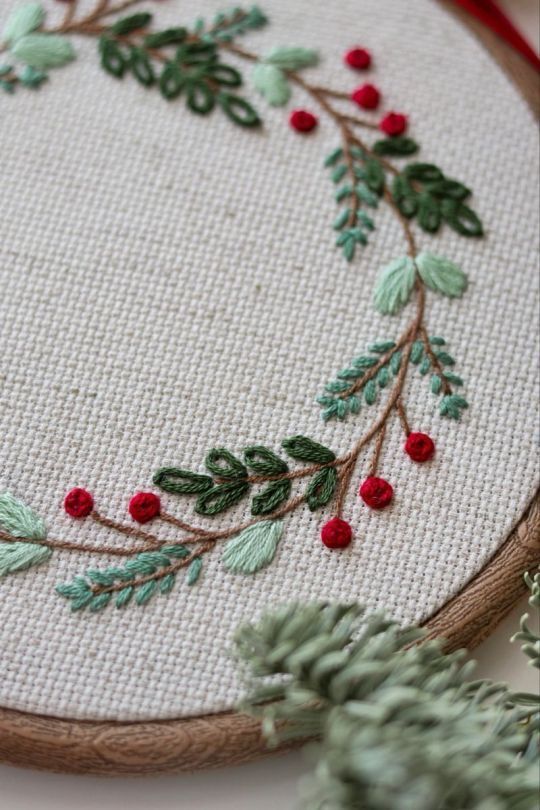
pixel 22 21
pixel 397 146
pixel 222 463
pixel 272 84
pixel 221 497
pixel 441 275
pixel 370 392
pixel 304 449
pixel 171 81
pixel 194 571
pixel 238 110
pixel 169 36
pixel 461 218
pixel 19 520
pixel 263 461
pixel 20 556
pixel 395 285
pixel 451 189
pixel 254 548
pixel 181 482
pixel 429 213
pixel 43 51
pixel 200 98
pixel 224 74
pixel 375 177
pixel 141 67
pixel 423 172
pixel 404 196
pixel 112 58
pixel 291 58
pixel 321 488
pixel 132 23
pixel 271 497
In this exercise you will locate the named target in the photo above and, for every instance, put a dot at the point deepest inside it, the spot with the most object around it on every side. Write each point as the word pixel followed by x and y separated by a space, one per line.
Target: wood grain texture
pixel 230 738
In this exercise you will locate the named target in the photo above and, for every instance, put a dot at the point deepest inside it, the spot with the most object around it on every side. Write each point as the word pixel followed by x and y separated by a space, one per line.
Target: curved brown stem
pixel 66 545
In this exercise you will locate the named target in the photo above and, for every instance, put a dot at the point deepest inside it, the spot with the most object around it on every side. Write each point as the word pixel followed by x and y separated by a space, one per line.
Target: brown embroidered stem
pixel 128 531
pixel 403 417
pixel 180 524
pixel 374 466
pixel 66 545
pixel 446 387
pixel 69 15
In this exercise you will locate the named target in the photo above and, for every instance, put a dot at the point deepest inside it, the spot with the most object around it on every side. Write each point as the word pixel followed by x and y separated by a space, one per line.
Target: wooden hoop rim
pixel 230 738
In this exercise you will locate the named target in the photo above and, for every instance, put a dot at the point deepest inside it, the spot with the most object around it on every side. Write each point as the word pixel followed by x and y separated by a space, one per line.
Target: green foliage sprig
pixel 401 725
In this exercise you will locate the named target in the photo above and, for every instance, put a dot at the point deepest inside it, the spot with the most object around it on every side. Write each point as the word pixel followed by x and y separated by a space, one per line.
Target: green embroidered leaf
pixel 112 58
pixel 404 196
pixel 461 218
pixel 452 406
pixel 375 177
pixel 254 548
pixel 224 75
pixel 429 213
pixel 370 392
pixel 321 488
pixel 441 275
pixel 364 362
pixel 395 285
pixel 222 463
pixel 449 188
pixel 383 377
pixel 194 571
pixel 263 461
pixel 238 110
pixel 43 51
pixel 436 384
pixel 20 556
pixel 141 67
pixel 181 482
pixel 423 172
pixel 200 98
pixel 291 58
pixel 171 81
pixel 303 449
pixel 197 53
pixel 272 84
pixel 170 36
pixel 453 378
pixel 19 520
pixel 382 346
pixel 397 146
pixel 221 497
pixel 271 497
pixel 22 21
pixel 395 362
pixel 31 77
pixel 132 23
pixel 417 352
pixel 333 157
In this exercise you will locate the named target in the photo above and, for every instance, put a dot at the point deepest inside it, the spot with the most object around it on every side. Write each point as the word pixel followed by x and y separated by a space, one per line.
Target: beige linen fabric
pixel 169 284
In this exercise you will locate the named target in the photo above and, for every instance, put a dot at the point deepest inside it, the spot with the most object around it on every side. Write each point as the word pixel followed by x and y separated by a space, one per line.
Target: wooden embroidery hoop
pixel 228 738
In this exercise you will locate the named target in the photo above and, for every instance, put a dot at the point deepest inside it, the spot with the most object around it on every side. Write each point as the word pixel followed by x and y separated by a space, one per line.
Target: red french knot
pixel 144 506
pixel 376 492
pixel 336 533
pixel 393 124
pixel 78 503
pixel 420 447
pixel 302 120
pixel 366 96
pixel 358 58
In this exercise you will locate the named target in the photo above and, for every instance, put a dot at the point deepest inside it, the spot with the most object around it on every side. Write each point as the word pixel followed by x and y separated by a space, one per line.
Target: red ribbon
pixel 488 12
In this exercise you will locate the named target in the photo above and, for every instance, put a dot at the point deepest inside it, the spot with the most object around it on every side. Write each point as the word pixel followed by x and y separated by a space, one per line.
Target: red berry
pixel 336 533
pixel 302 121
pixel 78 503
pixel 358 58
pixel 393 124
pixel 366 96
pixel 144 506
pixel 376 492
pixel 419 446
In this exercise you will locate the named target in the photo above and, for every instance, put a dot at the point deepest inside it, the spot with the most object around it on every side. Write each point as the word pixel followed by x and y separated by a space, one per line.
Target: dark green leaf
pixel 461 218
pixel 375 177
pixel 271 497
pixel 221 497
pixel 449 188
pixel 424 172
pixel 263 461
pixel 200 98
pixel 181 482
pixel 404 197
pixel 224 74
pixel 238 110
pixel 303 449
pixel 112 58
pixel 196 53
pixel 429 213
pixel 321 488
pixel 221 463
pixel 171 81
pixel 141 67
pixel 132 23
pixel 170 36
pixel 396 146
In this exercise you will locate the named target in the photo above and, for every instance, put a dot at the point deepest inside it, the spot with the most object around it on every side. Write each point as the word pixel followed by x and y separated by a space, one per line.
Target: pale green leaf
pixel 18 520
pixel 254 548
pixel 43 51
pixel 441 275
pixel 19 556
pixel 394 286
pixel 271 83
pixel 291 58
pixel 22 21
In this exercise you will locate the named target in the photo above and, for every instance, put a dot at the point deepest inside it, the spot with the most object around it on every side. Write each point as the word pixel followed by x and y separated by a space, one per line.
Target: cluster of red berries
pixel 376 492
pixel 143 506
pixel 366 96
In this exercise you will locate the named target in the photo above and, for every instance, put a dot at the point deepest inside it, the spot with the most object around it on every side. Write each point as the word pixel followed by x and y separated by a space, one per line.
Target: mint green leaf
pixel 271 83
pixel 291 58
pixel 19 556
pixel 441 275
pixel 18 520
pixel 394 286
pixel 22 21
pixel 254 548
pixel 43 51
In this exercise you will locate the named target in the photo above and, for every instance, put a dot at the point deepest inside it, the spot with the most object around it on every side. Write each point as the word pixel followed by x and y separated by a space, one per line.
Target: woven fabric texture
pixel 169 284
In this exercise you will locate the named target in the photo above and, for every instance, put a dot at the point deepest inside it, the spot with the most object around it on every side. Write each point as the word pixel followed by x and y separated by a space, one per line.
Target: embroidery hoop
pixel 228 738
